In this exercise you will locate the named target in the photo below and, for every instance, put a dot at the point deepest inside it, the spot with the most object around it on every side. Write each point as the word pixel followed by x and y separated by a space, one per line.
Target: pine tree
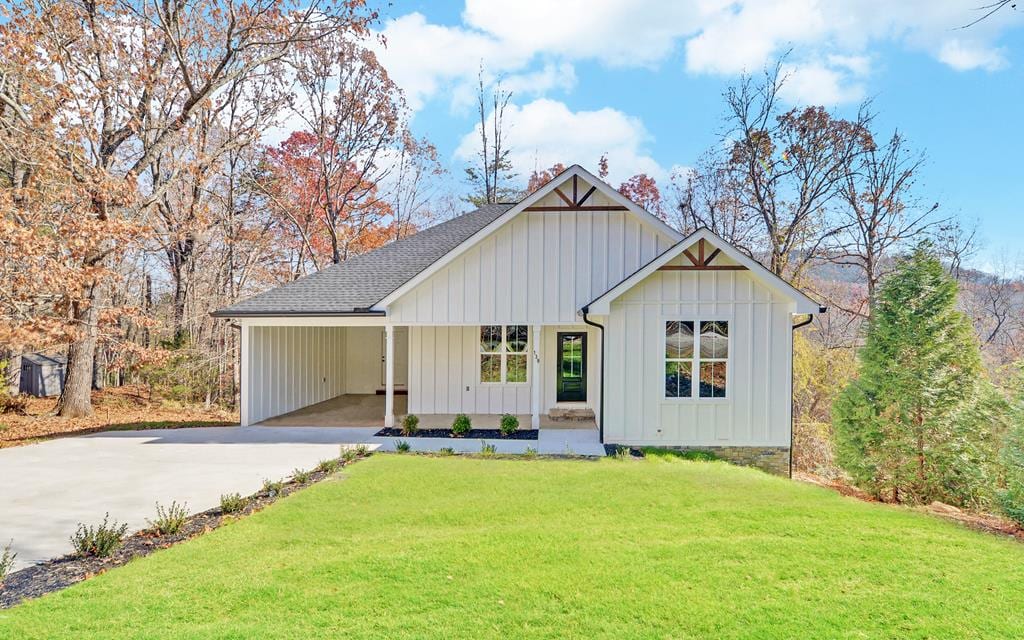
pixel 919 422
pixel 1011 494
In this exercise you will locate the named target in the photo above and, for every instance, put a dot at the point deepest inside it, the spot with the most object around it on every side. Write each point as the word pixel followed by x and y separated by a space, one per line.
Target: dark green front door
pixel 572 367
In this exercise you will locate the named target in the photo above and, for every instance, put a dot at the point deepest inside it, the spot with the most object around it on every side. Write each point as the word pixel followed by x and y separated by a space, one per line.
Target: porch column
pixel 243 376
pixel 389 376
pixel 535 379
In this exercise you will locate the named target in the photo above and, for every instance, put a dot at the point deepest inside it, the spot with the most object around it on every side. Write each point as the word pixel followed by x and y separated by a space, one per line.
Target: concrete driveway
pixel 46 489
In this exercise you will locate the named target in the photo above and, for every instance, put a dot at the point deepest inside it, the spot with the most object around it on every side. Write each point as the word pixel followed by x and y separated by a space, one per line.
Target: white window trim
pixel 504 353
pixel 696 360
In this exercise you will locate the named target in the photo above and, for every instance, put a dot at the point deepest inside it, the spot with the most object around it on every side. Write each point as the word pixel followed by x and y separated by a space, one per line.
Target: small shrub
pixel 487 450
pixel 233 503
pixel 623 453
pixel 509 424
pixel 410 425
pixel 348 455
pixel 272 487
pixel 6 562
pixel 100 541
pixel 461 425
pixel 446 451
pixel 169 520
pixel 327 466
pixel 402 446
pixel 362 451
pixel 300 476
pixel 530 452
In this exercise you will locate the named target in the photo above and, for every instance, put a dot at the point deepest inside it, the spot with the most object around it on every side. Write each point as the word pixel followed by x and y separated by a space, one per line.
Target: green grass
pixel 416 546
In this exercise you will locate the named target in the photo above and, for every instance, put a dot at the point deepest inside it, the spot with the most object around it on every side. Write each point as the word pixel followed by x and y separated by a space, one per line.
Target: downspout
pixel 600 410
pixel 792 400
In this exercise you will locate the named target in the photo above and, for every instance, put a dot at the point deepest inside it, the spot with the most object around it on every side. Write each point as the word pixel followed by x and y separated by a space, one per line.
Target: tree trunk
pixel 12 377
pixel 76 398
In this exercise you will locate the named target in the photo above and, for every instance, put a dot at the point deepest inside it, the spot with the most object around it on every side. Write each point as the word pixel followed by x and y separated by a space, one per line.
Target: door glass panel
pixel 572 383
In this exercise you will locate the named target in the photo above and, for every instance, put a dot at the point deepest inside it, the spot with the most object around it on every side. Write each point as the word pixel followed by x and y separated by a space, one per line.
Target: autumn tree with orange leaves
pixel 134 76
pixel 327 179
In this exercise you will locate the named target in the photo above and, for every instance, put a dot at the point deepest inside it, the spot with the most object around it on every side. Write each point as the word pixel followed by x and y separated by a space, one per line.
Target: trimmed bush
pixel 461 425
pixel 402 446
pixel 100 541
pixel 509 424
pixel 169 520
pixel 410 425
pixel 232 503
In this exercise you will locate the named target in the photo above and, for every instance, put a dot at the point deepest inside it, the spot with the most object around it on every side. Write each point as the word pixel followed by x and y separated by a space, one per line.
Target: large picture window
pixel 696 350
pixel 503 353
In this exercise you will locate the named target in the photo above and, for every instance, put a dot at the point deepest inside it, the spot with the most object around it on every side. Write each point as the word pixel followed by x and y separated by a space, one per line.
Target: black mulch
pixel 61 573
pixel 474 434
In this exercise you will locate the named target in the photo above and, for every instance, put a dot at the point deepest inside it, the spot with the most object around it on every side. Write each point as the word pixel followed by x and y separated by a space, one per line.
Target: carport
pixel 320 371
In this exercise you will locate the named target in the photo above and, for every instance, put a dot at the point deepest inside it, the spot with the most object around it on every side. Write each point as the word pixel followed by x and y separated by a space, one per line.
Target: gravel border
pixel 474 434
pixel 61 573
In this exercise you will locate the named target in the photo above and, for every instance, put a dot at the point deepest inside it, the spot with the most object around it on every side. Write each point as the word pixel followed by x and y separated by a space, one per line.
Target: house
pixel 572 303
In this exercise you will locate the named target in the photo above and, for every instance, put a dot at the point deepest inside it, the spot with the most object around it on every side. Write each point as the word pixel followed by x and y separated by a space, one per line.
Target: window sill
pixel 696 400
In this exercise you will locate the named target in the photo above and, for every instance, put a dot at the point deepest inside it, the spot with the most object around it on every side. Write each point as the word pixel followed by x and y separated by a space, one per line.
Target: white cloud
pixel 561 76
pixel 966 56
pixel 815 83
pixel 547 132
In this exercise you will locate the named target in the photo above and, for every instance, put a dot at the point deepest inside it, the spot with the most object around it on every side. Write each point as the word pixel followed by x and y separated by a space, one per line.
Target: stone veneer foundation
pixel 774 460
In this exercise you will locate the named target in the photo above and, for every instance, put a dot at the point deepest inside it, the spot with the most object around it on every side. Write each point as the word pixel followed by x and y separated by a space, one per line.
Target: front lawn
pixel 412 547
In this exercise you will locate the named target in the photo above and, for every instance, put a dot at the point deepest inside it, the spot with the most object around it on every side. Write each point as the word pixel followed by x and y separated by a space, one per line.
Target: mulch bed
pixel 474 434
pixel 63 572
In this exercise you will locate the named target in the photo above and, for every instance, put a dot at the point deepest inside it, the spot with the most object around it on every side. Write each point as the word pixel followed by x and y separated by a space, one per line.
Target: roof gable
pixel 691 253
pixel 575 189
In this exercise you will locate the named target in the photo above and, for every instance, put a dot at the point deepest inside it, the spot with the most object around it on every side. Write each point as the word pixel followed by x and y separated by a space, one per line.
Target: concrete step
pixel 581 414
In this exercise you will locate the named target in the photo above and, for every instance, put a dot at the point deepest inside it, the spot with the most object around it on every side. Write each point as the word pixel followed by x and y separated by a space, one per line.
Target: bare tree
pixel 491 174
pixel 786 168
pixel 881 214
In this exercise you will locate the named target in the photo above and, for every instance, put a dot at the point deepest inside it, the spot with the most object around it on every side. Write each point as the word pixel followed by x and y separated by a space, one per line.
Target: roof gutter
pixel 600 409
pixel 295 314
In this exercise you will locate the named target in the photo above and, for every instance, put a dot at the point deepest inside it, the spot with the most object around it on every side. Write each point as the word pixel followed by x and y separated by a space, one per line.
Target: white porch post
pixel 535 379
pixel 389 376
pixel 243 377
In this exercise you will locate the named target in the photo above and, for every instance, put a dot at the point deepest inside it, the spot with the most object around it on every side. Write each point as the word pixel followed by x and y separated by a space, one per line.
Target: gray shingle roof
pixel 357 284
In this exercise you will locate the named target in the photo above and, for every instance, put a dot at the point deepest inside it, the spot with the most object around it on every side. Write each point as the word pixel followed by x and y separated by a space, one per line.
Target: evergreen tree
pixel 1011 495
pixel 919 422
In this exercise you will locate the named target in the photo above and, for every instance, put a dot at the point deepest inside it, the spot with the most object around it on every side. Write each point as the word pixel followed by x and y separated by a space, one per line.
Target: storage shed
pixel 42 375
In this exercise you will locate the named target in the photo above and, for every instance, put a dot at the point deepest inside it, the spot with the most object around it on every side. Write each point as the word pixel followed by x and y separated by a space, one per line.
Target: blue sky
pixel 642 80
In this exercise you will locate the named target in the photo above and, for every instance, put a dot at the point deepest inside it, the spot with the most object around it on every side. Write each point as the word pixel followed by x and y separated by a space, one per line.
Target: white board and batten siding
pixel 539 268
pixel 756 411
pixel 290 368
pixel 444 372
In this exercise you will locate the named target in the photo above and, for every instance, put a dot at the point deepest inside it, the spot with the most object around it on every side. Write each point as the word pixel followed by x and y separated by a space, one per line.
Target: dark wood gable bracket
pixel 700 262
pixel 576 203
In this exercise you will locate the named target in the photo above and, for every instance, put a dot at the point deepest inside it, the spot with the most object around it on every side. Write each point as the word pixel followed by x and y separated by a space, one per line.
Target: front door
pixel 572 367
